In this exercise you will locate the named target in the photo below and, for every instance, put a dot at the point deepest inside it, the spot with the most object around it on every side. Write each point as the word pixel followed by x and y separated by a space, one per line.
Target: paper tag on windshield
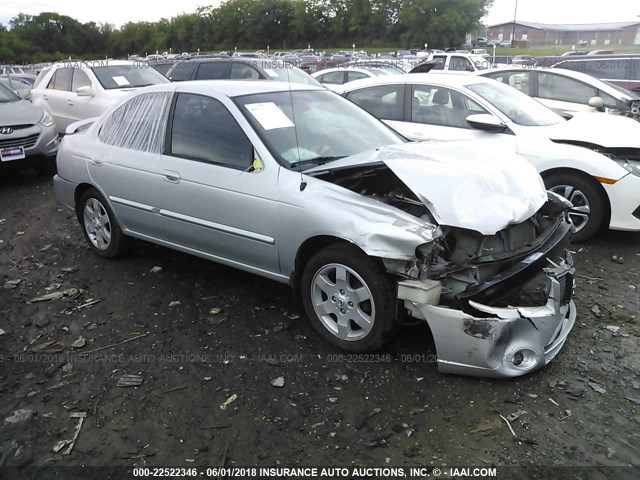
pixel 270 72
pixel 269 115
pixel 121 81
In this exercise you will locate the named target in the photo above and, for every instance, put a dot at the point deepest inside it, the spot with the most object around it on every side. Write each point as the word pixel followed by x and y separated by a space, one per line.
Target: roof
pixel 458 79
pixel 572 27
pixel 233 88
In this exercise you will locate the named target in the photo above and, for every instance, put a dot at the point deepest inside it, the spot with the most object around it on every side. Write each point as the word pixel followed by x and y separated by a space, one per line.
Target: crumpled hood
pixel 21 112
pixel 606 130
pixel 459 184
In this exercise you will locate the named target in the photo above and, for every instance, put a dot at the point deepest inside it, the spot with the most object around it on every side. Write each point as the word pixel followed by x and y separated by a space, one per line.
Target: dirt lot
pixel 232 334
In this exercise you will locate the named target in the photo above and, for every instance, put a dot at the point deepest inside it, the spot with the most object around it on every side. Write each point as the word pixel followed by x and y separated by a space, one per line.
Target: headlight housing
pixel 631 166
pixel 46 120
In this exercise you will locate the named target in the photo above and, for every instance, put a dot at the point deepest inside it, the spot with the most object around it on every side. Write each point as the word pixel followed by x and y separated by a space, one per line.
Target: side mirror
pixel 84 92
pixel 486 122
pixel 596 102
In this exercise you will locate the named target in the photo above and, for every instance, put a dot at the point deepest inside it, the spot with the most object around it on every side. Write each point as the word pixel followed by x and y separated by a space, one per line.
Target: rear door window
pixel 520 80
pixel 383 102
pixel 332 78
pixel 213 71
pixel 244 71
pixel 61 80
pixel 182 71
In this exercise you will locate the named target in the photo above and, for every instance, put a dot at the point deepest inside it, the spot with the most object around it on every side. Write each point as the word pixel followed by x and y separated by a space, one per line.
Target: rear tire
pixel 589 211
pixel 100 227
pixel 349 298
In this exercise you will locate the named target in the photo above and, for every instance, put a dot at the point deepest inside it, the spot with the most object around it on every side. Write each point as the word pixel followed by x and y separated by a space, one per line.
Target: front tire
pixel 100 227
pixel 349 298
pixel 589 207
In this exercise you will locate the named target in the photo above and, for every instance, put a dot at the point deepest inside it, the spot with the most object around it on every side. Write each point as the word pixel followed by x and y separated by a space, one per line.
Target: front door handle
pixel 171 176
pixel 69 102
pixel 96 162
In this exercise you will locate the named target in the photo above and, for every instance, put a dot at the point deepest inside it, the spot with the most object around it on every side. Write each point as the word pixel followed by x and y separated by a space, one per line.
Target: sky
pixel 119 12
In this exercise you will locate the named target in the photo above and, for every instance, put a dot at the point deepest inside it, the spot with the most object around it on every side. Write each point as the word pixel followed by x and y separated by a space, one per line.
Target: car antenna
pixel 303 184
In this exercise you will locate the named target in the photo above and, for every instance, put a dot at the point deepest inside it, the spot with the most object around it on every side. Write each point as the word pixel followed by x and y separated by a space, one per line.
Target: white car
pixel 593 160
pixel 332 77
pixel 460 62
pixel 75 90
pixel 568 91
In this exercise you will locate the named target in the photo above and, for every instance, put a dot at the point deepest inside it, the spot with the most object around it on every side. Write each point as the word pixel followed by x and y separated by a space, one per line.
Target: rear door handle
pixel 171 176
pixel 96 162
pixel 69 102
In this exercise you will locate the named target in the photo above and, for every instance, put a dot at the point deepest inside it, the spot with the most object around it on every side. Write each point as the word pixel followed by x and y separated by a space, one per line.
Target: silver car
pixel 27 133
pixel 296 184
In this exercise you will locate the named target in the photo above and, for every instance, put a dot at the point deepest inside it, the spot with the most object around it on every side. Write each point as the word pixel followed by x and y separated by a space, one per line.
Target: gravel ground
pixel 201 337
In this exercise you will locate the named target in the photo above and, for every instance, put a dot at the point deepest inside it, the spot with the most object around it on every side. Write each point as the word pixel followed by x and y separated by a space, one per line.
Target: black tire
pixel 96 234
pixel 380 308
pixel 583 192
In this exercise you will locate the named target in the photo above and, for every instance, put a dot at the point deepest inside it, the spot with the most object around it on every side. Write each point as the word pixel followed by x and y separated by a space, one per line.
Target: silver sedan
pixel 296 184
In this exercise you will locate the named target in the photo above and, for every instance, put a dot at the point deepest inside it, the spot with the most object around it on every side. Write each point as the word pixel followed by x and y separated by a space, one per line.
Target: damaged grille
pixel 566 288
pixel 492 245
pixel 509 239
pixel 495 268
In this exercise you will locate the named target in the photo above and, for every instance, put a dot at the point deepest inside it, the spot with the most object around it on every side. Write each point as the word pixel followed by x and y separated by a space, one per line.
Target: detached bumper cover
pixel 505 342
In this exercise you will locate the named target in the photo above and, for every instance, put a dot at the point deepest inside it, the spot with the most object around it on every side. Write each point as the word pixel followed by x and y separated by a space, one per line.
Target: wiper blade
pixel 314 162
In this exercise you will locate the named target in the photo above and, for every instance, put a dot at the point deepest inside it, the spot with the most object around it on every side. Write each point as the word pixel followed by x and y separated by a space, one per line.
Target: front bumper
pixel 624 197
pixel 36 141
pixel 507 342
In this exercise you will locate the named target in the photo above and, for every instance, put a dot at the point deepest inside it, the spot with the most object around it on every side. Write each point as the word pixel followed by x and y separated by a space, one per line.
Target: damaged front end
pixel 497 305
pixel 494 282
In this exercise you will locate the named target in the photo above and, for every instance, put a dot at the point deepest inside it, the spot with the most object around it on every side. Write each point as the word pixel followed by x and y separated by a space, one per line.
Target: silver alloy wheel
pixel 97 224
pixel 343 302
pixel 580 214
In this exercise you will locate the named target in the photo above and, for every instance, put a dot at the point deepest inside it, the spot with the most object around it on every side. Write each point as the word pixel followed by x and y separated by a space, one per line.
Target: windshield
pixel 128 76
pixel 15 83
pixel 303 129
pixel 7 95
pixel 520 108
pixel 628 93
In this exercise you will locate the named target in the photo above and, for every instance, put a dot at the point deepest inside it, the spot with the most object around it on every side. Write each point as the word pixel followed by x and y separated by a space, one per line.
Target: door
pixel 212 198
pixel 83 106
pixel 127 166
pixel 57 96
